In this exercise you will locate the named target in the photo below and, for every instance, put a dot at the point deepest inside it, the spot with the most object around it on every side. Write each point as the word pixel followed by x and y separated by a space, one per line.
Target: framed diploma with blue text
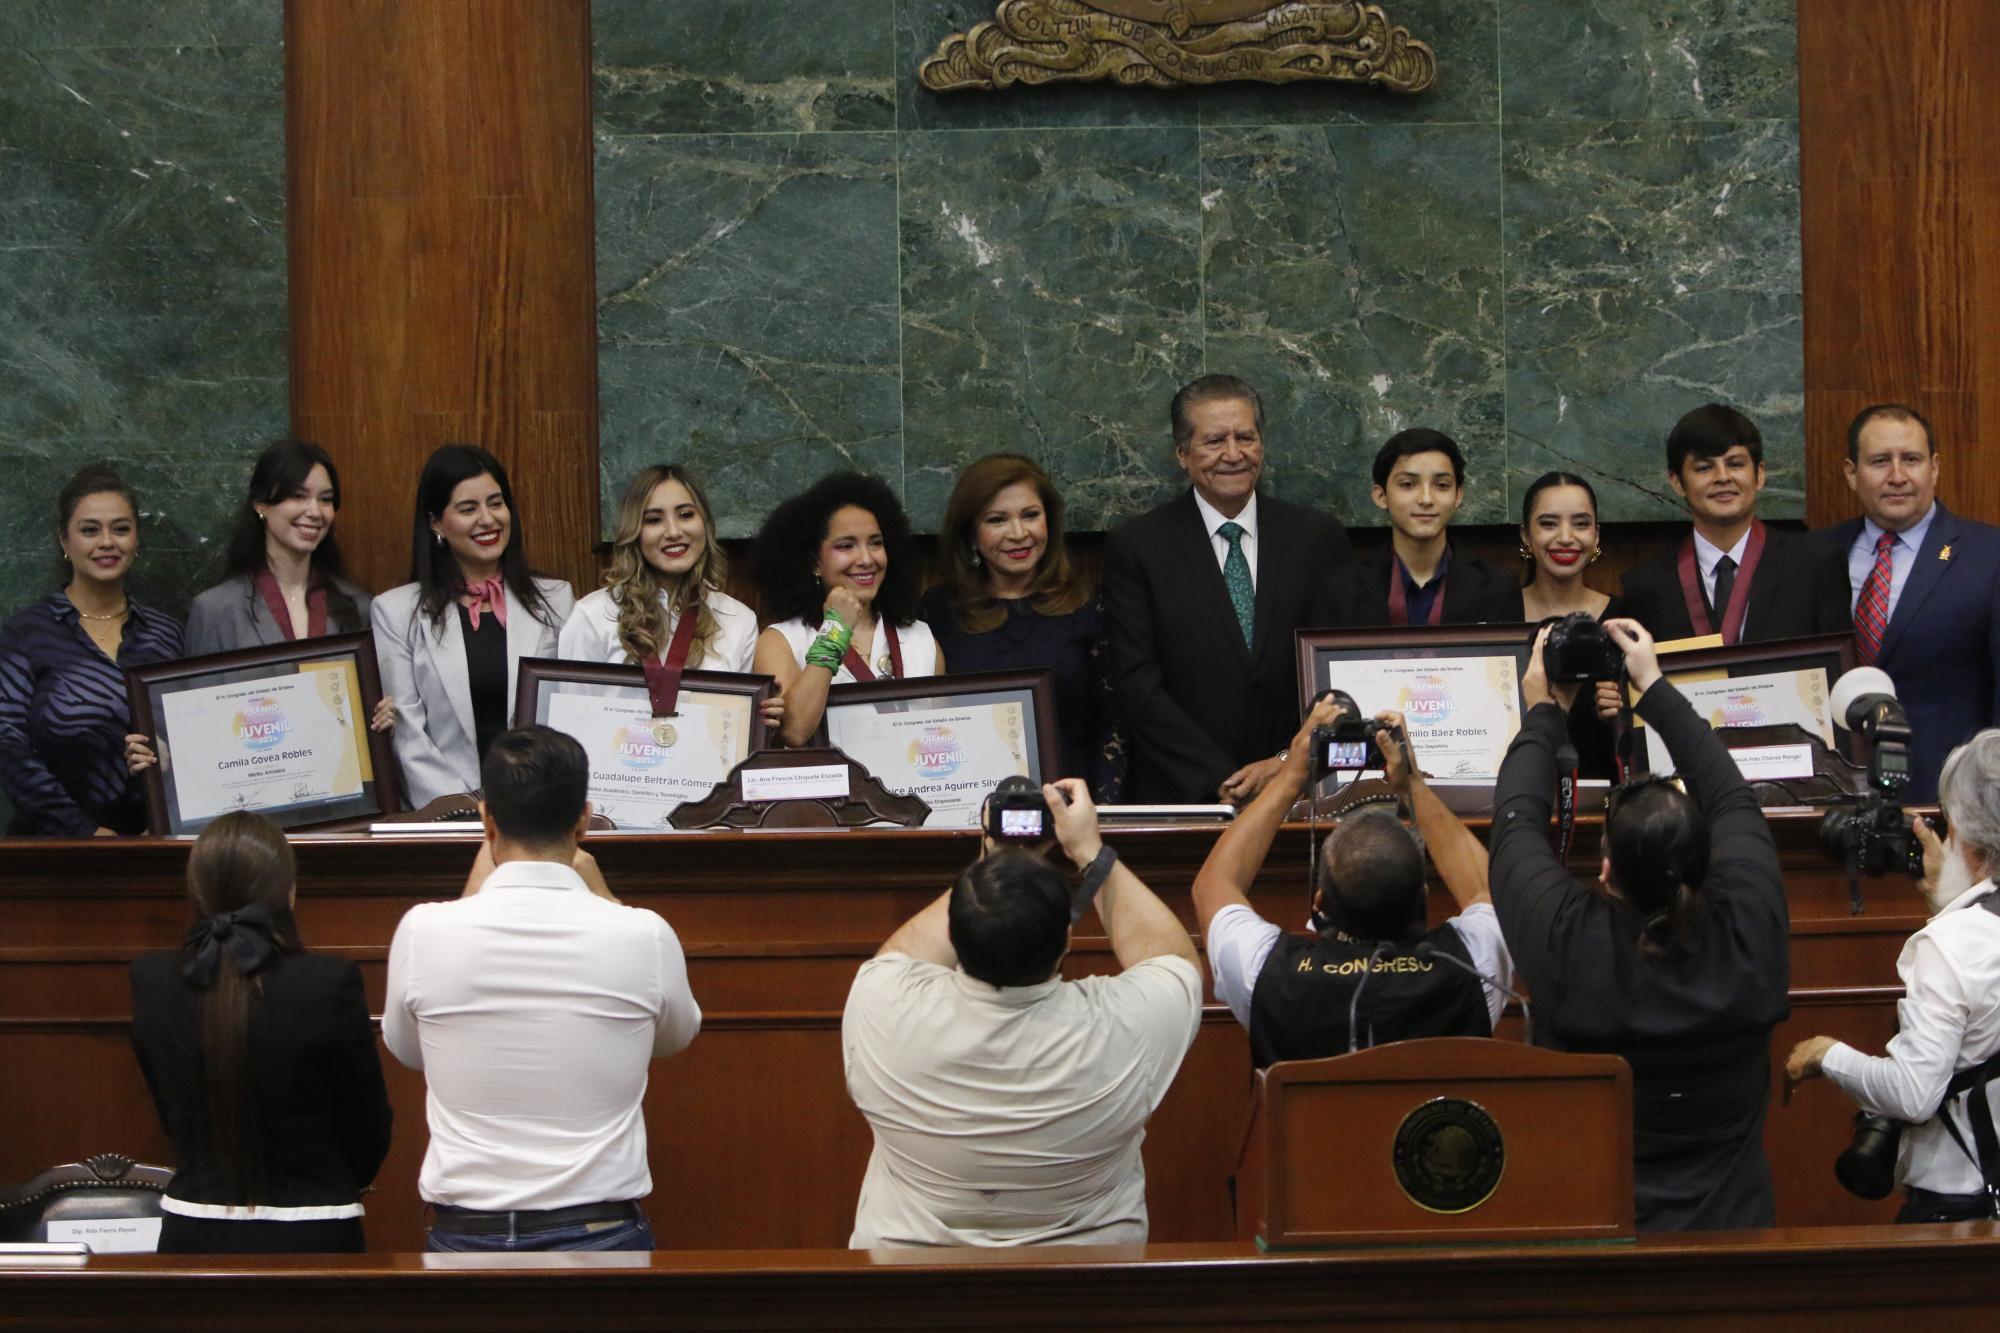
pixel 645 763
pixel 948 739
pixel 281 730
pixel 1458 687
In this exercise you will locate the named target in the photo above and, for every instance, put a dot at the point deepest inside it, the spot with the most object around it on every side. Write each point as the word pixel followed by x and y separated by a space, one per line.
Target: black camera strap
pixel 1566 767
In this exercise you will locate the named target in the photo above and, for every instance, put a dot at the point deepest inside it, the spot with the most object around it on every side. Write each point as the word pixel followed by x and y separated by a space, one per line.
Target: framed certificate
pixel 1782 683
pixel 281 730
pixel 1457 687
pixel 948 739
pixel 643 767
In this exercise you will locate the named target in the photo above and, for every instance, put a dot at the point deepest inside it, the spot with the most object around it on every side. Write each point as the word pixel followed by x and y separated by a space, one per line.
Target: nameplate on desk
pixel 1773 763
pixel 110 1235
pixel 795 784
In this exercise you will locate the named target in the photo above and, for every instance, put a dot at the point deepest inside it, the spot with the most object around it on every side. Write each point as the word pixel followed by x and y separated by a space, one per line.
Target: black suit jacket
pixel 1194 702
pixel 1800 590
pixel 322 1113
pixel 1942 647
pixel 1476 592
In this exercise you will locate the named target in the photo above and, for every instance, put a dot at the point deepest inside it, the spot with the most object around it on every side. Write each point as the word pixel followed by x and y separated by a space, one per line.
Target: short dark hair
pixel 1009 918
pixel 1885 412
pixel 535 782
pixel 1710 431
pixel 1417 440
pixel 1209 389
pixel 90 479
pixel 1657 842
pixel 788 547
pixel 1374 876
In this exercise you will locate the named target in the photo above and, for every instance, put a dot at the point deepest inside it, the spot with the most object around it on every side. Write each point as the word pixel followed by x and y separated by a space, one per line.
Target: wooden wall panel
pixel 1900 191
pixel 442 274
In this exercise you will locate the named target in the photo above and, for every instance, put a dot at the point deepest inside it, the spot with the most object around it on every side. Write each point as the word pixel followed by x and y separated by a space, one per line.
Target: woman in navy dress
pixel 64 719
pixel 1011 600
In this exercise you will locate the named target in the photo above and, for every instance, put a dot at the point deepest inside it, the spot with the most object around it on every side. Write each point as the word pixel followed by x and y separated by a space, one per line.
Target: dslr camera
pixel 1348 745
pixel 1016 814
pixel 1579 651
pixel 1867 1169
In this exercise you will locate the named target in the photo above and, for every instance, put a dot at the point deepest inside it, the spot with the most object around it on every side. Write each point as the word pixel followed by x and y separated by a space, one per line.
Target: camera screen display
pixel 1020 823
pixel 1347 755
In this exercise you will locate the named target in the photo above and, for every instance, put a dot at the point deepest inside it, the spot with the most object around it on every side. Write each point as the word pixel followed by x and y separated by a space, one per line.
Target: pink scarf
pixel 488 596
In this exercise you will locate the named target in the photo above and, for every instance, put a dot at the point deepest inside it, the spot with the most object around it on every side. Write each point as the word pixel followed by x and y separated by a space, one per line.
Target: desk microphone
pixel 1354 1001
pixel 1428 951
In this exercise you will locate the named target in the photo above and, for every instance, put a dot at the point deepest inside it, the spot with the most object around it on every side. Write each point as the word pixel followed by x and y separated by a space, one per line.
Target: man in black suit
pixel 1924 585
pixel 1420 483
pixel 1732 575
pixel 1202 596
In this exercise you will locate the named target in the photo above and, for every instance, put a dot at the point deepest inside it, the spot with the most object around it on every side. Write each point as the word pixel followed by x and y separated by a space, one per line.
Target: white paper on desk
pixel 111 1235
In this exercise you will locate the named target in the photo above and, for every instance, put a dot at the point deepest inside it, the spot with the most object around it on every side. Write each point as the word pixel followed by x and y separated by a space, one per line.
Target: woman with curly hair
pixel 1011 600
pixel 664 585
pixel 839 583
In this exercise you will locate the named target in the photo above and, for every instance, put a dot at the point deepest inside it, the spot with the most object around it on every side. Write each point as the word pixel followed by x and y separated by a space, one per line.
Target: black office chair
pixel 102 1187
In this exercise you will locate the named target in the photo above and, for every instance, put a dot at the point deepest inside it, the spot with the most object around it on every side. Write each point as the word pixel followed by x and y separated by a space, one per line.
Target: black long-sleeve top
pixel 1696 1028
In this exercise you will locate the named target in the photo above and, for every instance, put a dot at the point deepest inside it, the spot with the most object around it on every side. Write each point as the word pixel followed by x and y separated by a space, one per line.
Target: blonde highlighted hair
pixel 636 587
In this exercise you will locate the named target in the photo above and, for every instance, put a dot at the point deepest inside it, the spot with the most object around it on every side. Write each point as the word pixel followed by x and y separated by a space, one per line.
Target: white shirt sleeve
pixel 399 1019
pixel 680 1016
pixel 1909 1082
pixel 1239 943
pixel 1479 927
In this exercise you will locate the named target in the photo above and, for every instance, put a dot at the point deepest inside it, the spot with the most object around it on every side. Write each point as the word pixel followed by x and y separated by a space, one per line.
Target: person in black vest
pixel 1293 992
pixel 1732 575
pixel 1420 580
pixel 1679 964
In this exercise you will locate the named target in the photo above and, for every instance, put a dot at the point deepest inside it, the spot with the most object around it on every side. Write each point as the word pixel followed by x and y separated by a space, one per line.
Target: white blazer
pixel 423 670
pixel 591 632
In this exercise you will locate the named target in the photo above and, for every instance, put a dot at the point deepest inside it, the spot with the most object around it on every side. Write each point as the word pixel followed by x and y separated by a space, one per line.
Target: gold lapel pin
pixel 1945 554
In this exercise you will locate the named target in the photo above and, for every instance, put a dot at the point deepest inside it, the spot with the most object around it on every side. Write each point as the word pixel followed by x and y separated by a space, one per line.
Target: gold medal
pixel 885 666
pixel 664 735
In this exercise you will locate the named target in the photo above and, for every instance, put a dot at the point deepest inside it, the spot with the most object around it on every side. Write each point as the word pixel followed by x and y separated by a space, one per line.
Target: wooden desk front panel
pixel 753 1140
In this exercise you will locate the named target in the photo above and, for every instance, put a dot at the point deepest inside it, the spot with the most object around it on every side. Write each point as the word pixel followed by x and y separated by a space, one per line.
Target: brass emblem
pixel 885 666
pixel 664 735
pixel 1449 1155
pixel 1181 43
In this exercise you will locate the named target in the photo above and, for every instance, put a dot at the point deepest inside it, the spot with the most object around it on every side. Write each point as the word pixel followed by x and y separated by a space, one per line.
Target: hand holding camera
pixel 1075 819
pixel 1399 760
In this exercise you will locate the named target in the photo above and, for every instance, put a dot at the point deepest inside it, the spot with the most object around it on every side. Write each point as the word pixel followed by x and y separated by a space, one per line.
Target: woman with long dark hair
pixel 839 583
pixel 1011 600
pixel 450 640
pixel 261 1060
pixel 64 720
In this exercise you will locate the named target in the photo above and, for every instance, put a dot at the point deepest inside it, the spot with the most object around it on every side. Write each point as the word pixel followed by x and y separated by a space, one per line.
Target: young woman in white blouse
pixel 663 590
pixel 839 581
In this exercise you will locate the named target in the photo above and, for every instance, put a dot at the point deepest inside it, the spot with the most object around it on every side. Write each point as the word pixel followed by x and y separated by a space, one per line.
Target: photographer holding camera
pixel 1679 964
pixel 1007 1104
pixel 1947 1045
pixel 1300 995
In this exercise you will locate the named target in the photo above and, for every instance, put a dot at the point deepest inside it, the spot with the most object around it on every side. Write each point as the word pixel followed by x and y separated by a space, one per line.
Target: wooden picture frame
pixel 1835 653
pixel 148 689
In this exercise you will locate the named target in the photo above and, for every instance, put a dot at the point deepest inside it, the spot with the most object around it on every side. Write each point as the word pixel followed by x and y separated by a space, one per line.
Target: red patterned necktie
pixel 1871 611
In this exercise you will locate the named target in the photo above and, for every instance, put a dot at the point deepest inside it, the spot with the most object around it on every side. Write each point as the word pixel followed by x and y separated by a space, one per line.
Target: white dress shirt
pixel 591 632
pixel 1213 518
pixel 1239 943
pixel 1010 1115
pixel 1707 555
pixel 533 1009
pixel 1947 1020
pixel 1902 557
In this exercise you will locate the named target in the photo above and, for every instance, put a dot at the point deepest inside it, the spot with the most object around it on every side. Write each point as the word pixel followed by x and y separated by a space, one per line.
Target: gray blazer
pixel 231 615
pixel 423 670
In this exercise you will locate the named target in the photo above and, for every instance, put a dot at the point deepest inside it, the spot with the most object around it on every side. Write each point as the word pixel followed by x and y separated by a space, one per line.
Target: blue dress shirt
pixel 1902 557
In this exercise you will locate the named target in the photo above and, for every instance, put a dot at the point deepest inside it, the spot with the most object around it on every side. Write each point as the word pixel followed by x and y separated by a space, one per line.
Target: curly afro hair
pixel 788 549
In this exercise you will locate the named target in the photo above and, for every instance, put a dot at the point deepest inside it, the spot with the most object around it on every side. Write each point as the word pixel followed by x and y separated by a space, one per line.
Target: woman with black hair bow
pixel 261 1059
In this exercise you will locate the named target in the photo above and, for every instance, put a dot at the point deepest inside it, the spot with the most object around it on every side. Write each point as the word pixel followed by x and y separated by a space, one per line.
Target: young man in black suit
pixel 1732 575
pixel 1202 596
pixel 1420 483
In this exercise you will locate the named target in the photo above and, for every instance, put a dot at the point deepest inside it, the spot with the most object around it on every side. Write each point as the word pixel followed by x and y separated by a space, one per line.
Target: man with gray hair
pixel 1947 1044
pixel 1295 993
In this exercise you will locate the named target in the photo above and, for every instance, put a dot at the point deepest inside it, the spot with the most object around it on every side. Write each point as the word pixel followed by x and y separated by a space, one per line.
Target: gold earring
pixel 1526 554
pixel 1595 556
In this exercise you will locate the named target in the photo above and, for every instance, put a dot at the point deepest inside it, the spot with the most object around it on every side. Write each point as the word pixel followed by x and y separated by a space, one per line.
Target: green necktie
pixel 1236 576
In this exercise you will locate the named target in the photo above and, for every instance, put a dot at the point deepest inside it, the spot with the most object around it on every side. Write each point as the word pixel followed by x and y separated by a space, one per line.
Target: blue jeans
pixel 634 1233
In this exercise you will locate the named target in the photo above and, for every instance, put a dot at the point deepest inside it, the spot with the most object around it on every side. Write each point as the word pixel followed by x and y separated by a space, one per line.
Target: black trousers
pixel 1930 1206
pixel 201 1235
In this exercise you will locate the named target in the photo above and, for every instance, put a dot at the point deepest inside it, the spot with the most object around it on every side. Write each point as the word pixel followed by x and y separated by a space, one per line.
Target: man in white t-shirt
pixel 1008 1105
pixel 534 1005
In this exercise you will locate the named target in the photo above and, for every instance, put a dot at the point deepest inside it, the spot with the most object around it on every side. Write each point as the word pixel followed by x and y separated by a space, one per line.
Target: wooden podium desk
pixel 753 1140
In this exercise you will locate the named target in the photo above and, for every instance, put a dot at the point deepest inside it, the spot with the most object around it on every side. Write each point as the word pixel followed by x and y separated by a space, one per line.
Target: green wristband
pixel 830 648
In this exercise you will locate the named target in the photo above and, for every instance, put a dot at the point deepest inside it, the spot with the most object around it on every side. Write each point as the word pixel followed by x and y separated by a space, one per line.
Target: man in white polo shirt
pixel 534 1005
pixel 1008 1105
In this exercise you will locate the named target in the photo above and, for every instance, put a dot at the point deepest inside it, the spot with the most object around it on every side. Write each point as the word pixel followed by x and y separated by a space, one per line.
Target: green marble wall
pixel 142 269
pixel 805 261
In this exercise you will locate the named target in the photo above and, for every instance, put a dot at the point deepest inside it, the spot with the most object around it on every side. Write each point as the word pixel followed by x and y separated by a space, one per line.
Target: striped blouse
pixel 63 718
